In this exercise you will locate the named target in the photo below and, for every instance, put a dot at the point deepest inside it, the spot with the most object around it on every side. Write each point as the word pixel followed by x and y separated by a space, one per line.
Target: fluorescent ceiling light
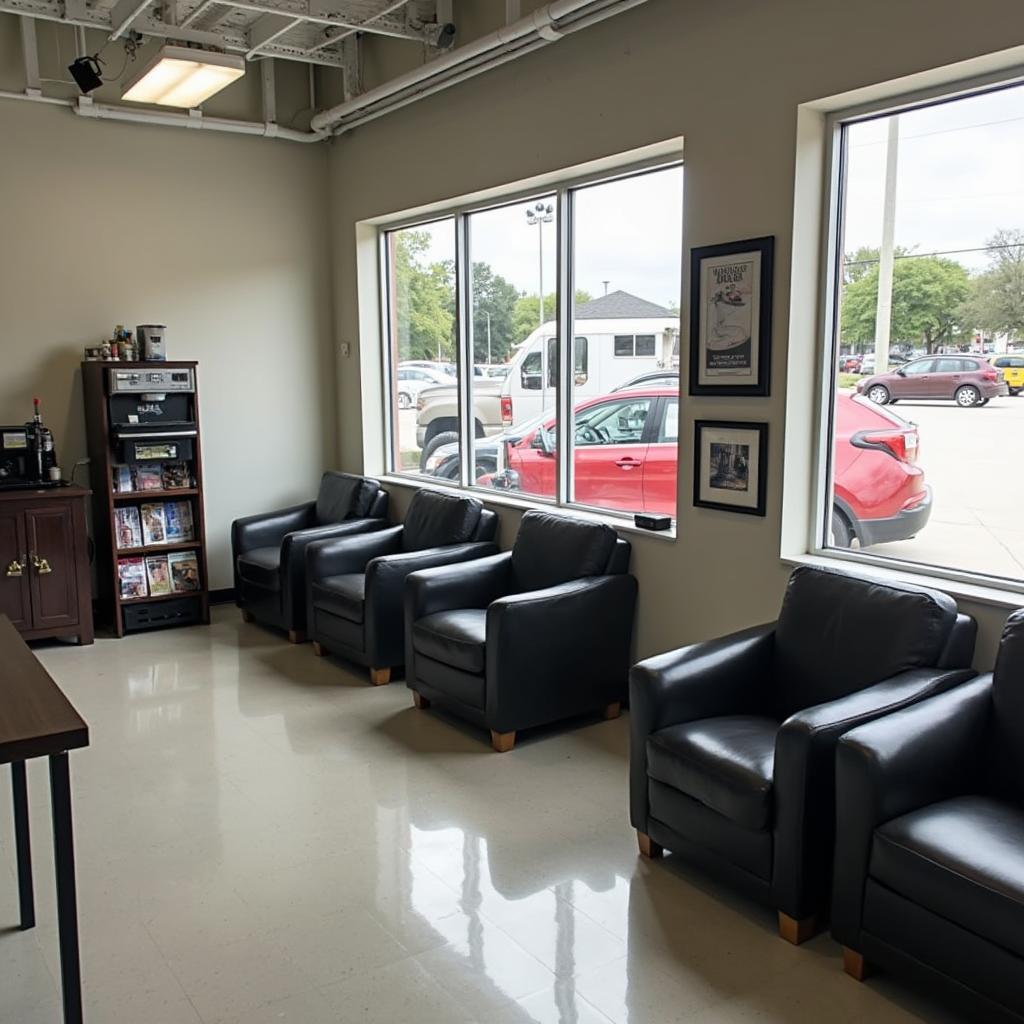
pixel 181 77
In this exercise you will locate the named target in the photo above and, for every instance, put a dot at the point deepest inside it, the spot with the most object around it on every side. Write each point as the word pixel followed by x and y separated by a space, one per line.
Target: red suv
pixel 968 380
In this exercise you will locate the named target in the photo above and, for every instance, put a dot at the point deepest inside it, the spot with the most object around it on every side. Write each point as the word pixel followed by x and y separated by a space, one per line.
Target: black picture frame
pixel 753 353
pixel 703 480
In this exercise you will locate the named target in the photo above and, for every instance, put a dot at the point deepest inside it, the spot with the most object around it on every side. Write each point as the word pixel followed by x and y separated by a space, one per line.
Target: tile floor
pixel 263 837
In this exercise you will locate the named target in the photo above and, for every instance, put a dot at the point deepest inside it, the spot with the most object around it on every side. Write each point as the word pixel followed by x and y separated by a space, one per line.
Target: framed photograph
pixel 731 318
pixel 730 466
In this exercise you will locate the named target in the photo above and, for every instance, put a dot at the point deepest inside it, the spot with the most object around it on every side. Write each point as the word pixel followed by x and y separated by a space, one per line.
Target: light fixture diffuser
pixel 182 77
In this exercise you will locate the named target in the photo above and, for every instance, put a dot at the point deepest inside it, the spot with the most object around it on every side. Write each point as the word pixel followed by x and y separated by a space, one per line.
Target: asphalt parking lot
pixel 969 457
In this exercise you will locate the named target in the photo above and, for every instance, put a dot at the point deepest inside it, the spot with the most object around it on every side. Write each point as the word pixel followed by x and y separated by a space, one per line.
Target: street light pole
pixel 488 315
pixel 540 214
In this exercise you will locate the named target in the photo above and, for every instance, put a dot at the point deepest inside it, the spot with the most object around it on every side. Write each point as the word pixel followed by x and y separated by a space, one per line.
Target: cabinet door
pixel 51 539
pixel 14 589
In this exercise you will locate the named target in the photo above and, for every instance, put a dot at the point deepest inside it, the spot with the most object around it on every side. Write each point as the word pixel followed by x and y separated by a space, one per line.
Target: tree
pixel 527 312
pixel 496 297
pixel 424 300
pixel 995 304
pixel 927 303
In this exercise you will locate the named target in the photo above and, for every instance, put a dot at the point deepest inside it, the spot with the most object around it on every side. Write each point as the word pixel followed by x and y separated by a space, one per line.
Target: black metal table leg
pixel 23 845
pixel 67 911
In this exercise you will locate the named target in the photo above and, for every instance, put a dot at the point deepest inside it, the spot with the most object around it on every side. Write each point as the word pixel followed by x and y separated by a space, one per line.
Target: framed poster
pixel 730 463
pixel 731 317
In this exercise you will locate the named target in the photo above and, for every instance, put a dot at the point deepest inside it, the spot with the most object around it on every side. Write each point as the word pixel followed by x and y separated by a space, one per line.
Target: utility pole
pixel 886 255
pixel 488 315
pixel 539 215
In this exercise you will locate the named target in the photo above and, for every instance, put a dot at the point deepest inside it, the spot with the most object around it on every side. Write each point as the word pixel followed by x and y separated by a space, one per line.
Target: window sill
pixel 979 593
pixel 620 523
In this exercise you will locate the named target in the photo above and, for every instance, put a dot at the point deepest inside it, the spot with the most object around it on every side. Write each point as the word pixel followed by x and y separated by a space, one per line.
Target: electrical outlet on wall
pixel 346 349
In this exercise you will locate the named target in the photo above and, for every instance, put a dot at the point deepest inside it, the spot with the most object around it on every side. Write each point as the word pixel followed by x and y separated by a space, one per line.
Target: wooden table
pixel 37 720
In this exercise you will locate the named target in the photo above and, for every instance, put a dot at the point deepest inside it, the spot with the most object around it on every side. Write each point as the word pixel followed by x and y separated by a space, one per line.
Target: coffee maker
pixel 27 454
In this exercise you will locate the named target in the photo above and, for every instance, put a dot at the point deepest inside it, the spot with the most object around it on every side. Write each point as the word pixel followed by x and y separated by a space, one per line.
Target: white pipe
pixel 57 102
pixel 539 28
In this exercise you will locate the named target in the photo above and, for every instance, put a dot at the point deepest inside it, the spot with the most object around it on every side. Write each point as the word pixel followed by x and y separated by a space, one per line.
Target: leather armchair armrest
pixel 268 529
pixel 338 555
pixel 727 675
pixel 931 751
pixel 472 584
pixel 557 652
pixel 386 577
pixel 804 780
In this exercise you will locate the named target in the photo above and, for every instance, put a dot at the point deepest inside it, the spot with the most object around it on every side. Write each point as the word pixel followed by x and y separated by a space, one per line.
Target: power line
pixel 944 252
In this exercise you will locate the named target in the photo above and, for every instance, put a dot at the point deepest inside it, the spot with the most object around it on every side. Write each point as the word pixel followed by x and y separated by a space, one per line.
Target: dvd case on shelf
pixel 178 521
pixel 158 574
pixel 132 575
pixel 184 567
pixel 129 529
pixel 154 527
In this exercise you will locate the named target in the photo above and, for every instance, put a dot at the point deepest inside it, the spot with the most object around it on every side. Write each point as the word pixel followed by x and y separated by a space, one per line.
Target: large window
pixel 927 337
pixel 485 300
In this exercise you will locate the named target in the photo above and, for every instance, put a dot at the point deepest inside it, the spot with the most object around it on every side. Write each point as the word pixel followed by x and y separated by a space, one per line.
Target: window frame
pixel 560 192
pixel 827 349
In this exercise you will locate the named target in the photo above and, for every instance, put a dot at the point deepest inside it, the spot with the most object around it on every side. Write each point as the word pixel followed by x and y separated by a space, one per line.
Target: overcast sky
pixel 960 176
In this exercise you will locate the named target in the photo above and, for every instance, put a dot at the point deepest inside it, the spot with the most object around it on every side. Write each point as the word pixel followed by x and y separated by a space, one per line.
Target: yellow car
pixel 1013 370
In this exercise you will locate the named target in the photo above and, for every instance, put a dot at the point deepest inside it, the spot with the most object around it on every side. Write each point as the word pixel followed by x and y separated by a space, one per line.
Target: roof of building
pixel 620 306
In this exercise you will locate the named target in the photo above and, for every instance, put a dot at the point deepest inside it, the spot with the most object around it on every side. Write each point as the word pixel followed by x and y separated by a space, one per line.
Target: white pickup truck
pixel 437 414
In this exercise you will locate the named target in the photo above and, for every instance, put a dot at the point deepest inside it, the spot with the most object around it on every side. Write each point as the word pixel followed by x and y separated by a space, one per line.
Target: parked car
pixel 627 459
pixel 411 380
pixel 849 363
pixel 967 380
pixel 1012 368
pixel 654 379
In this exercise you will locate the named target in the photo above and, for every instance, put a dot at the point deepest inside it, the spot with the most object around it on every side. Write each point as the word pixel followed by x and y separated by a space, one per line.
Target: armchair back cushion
pixel 551 549
pixel 344 496
pixel 1006 750
pixel 837 634
pixel 435 520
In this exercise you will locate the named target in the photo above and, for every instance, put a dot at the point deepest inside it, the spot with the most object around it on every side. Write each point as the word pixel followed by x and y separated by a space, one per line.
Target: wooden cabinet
pixel 44 563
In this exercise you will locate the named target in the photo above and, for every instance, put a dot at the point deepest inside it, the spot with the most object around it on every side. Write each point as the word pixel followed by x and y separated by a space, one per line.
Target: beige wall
pixel 223 238
pixel 728 77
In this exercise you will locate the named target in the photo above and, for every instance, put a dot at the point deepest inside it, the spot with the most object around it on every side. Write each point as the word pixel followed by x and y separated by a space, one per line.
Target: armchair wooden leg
pixel 648 847
pixel 797 930
pixel 380 676
pixel 612 710
pixel 503 742
pixel 420 701
pixel 247 616
pixel 296 636
pixel 855 965
pixel 318 649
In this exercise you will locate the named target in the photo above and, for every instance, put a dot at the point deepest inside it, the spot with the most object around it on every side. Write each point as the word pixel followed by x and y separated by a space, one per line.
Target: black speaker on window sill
pixel 652 522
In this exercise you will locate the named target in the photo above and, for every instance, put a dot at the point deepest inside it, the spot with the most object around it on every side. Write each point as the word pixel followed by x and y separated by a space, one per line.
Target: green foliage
pixel 495 296
pixel 995 304
pixel 927 302
pixel 527 312
pixel 424 300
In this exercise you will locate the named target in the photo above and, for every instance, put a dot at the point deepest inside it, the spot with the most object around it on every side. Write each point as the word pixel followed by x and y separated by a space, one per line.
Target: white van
pixel 617 337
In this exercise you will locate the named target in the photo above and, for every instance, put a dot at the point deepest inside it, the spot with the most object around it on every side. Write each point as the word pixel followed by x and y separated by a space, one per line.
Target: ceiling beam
pixel 265 29
pixel 123 14
pixel 30 51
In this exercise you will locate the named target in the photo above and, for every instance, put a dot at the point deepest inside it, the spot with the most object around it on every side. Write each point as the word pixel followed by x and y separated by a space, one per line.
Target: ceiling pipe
pixel 544 26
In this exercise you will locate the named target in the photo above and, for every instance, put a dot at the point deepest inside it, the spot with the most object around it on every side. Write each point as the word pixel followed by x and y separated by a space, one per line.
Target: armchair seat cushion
pixel 457 638
pixel 343 595
pixel 261 566
pixel 725 763
pixel 962 859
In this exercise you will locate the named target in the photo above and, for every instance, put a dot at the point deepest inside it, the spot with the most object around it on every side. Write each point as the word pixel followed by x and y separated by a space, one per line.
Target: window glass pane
pixel 626 254
pixel 580 363
pixel 421 308
pixel 932 241
pixel 512 250
pixel 669 427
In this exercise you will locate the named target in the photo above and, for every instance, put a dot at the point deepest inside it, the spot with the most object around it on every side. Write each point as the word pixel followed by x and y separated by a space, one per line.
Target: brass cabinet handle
pixel 14 568
pixel 41 564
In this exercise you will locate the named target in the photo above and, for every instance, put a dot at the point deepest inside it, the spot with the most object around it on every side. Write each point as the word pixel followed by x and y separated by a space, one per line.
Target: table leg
pixel 23 845
pixel 67 912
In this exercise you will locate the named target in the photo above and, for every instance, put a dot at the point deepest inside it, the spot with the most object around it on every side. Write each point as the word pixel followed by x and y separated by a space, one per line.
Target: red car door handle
pixel 628 463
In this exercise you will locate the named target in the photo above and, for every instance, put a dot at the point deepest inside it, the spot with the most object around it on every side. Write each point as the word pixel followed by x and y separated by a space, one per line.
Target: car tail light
pixel 900 444
pixel 989 375
pixel 506 409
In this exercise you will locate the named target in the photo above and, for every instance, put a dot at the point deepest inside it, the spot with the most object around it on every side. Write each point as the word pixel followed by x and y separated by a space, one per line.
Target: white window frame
pixel 560 188
pixel 973 583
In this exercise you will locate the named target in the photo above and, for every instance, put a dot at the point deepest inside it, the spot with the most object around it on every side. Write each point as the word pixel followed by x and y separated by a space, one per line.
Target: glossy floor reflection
pixel 261 837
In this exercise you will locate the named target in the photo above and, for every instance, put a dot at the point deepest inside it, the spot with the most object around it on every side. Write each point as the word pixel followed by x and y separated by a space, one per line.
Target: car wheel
pixel 404 400
pixel 967 396
pixel 842 535
pixel 879 394
pixel 445 437
pixel 1014 392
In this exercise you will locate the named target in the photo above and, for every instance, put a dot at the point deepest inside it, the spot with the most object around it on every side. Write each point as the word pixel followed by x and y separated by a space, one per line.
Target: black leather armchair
pixel 929 877
pixel 528 637
pixel 355 584
pixel 733 740
pixel 268 550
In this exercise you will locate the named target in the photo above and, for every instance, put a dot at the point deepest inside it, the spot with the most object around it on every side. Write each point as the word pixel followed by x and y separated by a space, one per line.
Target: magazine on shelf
pixel 122 479
pixel 178 521
pixel 129 529
pixel 132 574
pixel 175 476
pixel 184 571
pixel 158 573
pixel 154 528
pixel 148 478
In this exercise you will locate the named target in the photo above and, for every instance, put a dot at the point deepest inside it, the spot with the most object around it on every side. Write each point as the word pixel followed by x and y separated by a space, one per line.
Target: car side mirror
pixel 901 372
pixel 543 442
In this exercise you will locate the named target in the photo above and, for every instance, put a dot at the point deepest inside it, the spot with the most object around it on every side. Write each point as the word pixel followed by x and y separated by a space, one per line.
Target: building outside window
pixel 926 338
pixel 482 300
